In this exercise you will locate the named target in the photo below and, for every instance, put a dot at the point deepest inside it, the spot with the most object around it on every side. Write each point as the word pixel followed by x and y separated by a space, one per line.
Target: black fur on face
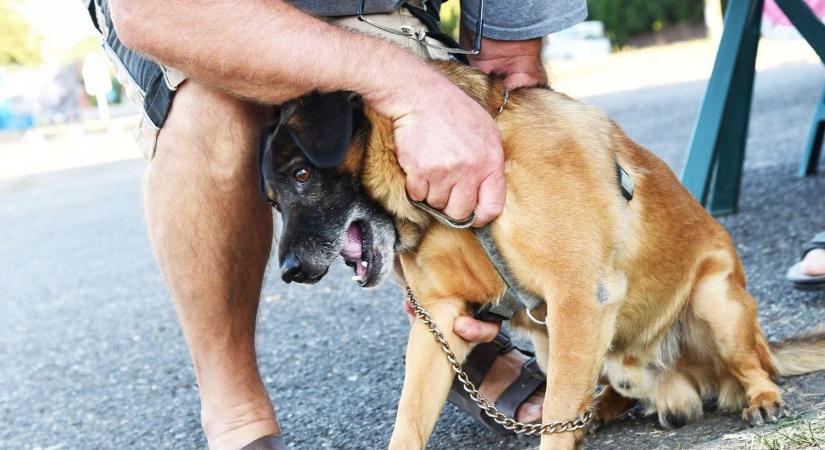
pixel 324 210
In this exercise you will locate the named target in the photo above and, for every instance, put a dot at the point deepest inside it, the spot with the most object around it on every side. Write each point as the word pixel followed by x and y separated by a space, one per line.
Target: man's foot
pixel 270 442
pixel 809 273
pixel 233 427
pixel 505 369
pixel 507 377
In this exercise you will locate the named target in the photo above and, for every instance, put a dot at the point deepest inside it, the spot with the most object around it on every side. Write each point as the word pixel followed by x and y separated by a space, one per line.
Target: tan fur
pixel 677 325
pixel 800 354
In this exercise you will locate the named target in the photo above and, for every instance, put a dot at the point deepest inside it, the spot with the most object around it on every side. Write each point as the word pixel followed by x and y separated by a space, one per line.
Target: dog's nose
pixel 290 268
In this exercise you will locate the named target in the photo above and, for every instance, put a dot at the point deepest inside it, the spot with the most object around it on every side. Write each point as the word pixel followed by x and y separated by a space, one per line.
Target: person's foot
pixel 502 373
pixel 809 274
pixel 231 427
pixel 813 264
pixel 504 370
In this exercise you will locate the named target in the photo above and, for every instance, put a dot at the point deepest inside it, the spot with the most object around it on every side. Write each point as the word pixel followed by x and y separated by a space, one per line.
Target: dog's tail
pixel 800 354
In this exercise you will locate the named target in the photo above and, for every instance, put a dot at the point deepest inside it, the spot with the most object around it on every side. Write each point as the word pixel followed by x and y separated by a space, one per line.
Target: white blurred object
pixel 585 40
pixel 97 82
pixel 714 20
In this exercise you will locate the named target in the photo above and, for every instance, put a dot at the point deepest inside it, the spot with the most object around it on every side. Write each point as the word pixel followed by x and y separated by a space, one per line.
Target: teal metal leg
pixel 813 148
pixel 717 149
pixel 813 31
pixel 724 196
pixel 806 23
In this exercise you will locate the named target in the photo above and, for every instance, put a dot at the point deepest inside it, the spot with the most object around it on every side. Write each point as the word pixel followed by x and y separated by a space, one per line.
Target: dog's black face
pixel 325 211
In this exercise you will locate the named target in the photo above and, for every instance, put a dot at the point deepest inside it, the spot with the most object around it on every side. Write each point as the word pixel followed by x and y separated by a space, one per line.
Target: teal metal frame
pixel 713 170
pixel 813 30
pixel 813 147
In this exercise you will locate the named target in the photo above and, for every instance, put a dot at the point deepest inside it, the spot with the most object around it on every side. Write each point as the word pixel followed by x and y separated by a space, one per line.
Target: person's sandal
pixel 799 279
pixel 270 442
pixel 477 365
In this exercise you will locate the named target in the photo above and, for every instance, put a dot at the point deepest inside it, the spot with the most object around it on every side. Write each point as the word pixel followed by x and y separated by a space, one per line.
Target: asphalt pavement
pixel 91 356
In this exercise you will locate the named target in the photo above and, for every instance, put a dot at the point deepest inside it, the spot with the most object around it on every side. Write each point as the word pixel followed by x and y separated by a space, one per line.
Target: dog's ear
pixel 267 146
pixel 322 125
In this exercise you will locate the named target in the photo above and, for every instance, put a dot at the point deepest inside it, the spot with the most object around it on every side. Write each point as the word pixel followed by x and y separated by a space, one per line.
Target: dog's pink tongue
pixel 352 244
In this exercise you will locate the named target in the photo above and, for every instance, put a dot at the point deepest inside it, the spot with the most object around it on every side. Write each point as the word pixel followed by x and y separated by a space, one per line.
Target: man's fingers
pixel 462 201
pixel 417 188
pixel 490 198
pixel 474 330
pixel 439 193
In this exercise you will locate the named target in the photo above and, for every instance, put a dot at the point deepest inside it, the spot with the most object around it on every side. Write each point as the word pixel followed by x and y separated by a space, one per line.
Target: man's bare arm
pixel 264 50
pixel 269 51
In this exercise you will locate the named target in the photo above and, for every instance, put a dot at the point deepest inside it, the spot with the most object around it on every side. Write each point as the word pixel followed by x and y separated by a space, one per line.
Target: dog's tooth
pixel 356 278
pixel 364 264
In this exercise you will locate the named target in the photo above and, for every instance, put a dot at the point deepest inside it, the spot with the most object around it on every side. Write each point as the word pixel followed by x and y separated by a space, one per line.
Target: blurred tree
pixel 626 18
pixel 80 49
pixel 450 15
pixel 19 42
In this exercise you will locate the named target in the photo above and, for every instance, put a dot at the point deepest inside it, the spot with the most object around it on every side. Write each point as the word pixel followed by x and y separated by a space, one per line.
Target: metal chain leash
pixel 488 408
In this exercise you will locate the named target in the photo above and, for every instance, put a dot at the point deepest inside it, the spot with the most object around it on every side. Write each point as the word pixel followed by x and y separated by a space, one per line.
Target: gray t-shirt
pixel 507 20
pixel 331 8
pixel 514 20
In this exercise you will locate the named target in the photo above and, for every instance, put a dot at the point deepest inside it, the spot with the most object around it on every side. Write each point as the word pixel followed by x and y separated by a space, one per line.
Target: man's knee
pixel 210 135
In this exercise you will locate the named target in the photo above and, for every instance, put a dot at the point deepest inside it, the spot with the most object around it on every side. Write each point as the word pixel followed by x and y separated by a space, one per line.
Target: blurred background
pixel 91 355
pixel 61 106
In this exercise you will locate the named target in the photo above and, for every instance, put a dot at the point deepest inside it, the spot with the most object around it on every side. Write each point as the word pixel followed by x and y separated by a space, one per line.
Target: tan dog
pixel 647 296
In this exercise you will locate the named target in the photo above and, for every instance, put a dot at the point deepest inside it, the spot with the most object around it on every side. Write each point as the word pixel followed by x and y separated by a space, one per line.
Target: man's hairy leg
pixel 212 234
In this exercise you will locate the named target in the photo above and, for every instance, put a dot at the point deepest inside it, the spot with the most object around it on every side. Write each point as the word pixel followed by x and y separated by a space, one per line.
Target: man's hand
pixel 519 61
pixel 473 330
pixel 469 328
pixel 454 164
pixel 447 144
pixel 449 147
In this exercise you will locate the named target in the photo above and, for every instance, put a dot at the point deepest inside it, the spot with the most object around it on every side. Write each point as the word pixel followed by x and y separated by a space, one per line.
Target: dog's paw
pixel 594 425
pixel 673 419
pixel 764 412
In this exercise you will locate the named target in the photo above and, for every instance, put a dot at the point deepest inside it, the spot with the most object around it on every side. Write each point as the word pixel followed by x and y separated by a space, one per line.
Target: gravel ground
pixel 93 357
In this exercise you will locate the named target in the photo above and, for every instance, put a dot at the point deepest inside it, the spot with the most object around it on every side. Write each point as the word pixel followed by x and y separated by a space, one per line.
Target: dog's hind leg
pixel 427 376
pixel 721 300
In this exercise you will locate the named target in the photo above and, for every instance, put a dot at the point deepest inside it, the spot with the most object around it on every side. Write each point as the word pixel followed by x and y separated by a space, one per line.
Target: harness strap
pixel 514 299
pixel 429 16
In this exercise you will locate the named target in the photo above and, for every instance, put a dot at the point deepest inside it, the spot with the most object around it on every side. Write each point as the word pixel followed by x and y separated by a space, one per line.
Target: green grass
pixel 796 432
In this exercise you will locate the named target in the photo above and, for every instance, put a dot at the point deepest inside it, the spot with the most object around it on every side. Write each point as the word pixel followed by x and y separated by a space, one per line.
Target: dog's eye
pixel 302 175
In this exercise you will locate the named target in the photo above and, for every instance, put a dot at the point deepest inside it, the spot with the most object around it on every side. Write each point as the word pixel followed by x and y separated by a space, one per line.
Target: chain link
pixel 488 408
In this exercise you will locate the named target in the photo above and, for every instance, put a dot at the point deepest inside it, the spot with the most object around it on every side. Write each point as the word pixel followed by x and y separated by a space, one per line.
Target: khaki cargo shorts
pixel 152 86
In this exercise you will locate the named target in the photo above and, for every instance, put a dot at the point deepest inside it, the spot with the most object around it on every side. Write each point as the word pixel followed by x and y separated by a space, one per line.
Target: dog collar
pixel 504 102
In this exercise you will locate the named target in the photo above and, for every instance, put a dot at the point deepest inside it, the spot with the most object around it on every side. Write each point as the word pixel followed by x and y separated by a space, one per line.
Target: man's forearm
pixel 265 50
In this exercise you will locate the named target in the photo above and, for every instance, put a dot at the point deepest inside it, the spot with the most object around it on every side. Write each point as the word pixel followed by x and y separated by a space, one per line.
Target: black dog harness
pixel 515 298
